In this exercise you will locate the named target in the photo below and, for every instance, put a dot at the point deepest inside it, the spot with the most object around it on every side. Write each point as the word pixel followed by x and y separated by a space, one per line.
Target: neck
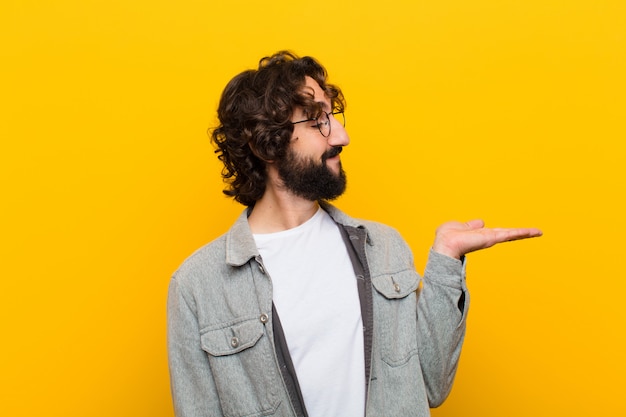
pixel 279 209
pixel 275 213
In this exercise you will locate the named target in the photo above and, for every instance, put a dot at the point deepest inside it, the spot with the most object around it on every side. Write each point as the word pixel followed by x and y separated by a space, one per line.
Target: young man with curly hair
pixel 299 309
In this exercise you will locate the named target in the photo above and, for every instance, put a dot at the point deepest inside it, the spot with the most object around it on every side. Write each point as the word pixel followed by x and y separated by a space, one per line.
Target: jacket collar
pixel 240 244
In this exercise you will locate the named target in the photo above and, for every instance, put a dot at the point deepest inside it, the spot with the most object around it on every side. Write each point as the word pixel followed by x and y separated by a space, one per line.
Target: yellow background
pixel 513 111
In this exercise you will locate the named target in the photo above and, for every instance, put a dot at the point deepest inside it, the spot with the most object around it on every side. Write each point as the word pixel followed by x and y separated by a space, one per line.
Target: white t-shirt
pixel 316 296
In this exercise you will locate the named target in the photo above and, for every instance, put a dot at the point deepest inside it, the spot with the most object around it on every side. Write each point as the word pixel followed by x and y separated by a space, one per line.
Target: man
pixel 300 310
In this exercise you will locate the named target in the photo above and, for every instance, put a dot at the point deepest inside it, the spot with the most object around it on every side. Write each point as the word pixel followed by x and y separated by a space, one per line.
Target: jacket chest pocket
pixel 242 366
pixel 395 310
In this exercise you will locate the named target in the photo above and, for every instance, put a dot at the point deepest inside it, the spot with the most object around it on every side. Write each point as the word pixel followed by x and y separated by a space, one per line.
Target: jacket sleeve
pixel 192 384
pixel 442 311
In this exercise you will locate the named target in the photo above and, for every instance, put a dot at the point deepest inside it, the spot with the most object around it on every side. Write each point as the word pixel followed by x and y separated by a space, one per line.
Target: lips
pixel 332 152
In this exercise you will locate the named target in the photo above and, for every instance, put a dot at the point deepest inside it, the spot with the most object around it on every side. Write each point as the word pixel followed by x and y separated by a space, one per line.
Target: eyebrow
pixel 325 105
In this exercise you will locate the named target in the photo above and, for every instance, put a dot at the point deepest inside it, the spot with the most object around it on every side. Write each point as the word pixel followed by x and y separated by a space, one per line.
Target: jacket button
pixel 396 287
pixel 234 342
pixel 264 318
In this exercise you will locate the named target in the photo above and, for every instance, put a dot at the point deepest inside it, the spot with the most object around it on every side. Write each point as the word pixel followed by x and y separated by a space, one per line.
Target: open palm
pixel 455 239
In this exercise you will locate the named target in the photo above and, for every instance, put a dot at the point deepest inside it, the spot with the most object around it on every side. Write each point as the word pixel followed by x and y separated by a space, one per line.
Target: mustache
pixel 332 152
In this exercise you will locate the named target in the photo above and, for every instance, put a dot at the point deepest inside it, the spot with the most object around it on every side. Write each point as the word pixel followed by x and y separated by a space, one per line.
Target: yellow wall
pixel 513 111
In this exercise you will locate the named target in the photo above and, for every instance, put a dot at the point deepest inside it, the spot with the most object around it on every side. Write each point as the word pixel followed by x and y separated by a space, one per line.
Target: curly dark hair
pixel 255 113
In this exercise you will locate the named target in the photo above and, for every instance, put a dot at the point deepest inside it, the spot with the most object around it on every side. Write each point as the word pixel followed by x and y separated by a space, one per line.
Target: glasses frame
pixel 319 125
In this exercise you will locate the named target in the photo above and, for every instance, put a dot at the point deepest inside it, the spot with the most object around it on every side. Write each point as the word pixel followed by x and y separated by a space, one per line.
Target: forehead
pixel 310 85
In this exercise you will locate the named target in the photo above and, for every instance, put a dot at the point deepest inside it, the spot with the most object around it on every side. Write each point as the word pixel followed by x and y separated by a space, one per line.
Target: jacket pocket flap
pixel 396 285
pixel 233 338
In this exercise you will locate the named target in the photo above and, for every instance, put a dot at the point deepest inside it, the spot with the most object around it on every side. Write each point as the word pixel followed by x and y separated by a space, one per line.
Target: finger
pixel 508 235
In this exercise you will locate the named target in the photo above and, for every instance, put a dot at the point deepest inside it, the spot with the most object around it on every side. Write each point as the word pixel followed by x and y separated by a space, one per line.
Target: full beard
pixel 310 179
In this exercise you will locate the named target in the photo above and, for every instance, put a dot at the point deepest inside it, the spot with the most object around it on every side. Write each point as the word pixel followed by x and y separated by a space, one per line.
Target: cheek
pixel 308 146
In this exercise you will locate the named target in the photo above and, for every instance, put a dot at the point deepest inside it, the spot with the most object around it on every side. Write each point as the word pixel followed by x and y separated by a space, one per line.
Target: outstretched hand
pixel 455 239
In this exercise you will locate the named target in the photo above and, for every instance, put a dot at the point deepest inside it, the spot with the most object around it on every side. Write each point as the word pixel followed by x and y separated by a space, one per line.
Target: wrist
pixel 444 250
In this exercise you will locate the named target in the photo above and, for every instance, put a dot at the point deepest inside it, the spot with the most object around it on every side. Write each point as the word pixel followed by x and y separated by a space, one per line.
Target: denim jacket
pixel 221 341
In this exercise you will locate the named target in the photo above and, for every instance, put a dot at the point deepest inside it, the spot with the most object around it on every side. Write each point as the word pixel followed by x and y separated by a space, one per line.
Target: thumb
pixel 475 224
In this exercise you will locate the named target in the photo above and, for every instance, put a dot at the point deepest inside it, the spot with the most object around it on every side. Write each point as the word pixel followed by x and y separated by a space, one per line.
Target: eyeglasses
pixel 323 121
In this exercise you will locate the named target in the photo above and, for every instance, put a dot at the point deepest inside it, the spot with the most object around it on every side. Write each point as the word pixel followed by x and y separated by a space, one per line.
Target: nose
pixel 338 134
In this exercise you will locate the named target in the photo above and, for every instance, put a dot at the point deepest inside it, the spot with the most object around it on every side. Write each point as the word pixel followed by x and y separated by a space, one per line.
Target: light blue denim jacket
pixel 220 328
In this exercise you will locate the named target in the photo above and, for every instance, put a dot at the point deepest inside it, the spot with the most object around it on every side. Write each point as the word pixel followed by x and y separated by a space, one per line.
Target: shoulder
pixel 385 247
pixel 381 231
pixel 202 263
pixel 218 257
pixel 376 232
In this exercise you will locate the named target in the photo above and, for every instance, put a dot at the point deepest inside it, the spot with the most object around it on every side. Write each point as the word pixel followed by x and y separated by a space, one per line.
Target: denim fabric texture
pixel 221 350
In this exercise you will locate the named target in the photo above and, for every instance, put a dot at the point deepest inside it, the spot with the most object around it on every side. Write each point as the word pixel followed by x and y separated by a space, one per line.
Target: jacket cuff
pixel 444 270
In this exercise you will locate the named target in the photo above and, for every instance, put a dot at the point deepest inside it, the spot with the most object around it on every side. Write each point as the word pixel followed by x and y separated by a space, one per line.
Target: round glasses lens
pixel 323 124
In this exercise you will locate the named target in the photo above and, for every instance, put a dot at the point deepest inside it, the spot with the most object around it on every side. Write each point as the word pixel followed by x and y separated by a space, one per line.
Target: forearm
pixel 442 310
